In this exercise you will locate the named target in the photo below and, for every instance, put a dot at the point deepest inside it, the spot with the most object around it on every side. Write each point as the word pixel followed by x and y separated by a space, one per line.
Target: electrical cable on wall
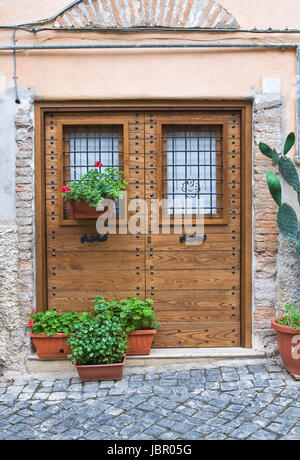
pixel 17 101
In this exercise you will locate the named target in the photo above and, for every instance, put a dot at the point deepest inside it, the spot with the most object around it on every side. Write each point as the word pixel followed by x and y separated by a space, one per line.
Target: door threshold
pixel 157 357
pixel 160 356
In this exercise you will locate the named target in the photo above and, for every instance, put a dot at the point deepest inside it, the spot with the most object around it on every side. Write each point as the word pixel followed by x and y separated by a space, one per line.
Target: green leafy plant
pixel 287 219
pixel 95 185
pixel 134 314
pixel 137 314
pixel 96 341
pixel 52 322
pixel 291 317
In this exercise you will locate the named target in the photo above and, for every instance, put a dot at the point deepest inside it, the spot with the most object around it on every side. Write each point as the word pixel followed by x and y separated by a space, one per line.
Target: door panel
pixel 196 289
pixel 78 272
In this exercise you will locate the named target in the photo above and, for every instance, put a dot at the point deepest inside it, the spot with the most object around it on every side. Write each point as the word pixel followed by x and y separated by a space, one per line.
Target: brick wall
pixel 145 13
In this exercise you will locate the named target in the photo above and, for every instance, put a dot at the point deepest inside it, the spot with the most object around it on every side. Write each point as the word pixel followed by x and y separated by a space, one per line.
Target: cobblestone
pixel 255 402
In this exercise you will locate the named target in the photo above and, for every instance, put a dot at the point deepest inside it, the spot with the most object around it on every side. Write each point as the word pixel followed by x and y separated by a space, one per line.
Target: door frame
pixel 42 107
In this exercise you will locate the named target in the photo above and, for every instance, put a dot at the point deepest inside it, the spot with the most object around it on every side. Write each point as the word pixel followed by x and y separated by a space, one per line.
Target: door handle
pixel 93 238
pixel 184 238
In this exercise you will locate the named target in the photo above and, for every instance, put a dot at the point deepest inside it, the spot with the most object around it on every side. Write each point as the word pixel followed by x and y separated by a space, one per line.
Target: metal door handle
pixel 93 238
pixel 183 238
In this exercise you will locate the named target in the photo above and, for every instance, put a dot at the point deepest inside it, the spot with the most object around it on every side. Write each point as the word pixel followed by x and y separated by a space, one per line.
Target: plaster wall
pixel 267 77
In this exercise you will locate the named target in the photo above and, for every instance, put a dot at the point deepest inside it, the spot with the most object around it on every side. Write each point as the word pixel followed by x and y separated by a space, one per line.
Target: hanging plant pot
pixel 98 372
pixel 140 342
pixel 53 346
pixel 289 346
pixel 82 209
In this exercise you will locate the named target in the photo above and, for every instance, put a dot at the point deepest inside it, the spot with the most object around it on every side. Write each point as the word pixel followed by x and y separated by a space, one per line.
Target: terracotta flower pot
pixel 289 346
pixel 140 342
pixel 53 346
pixel 82 210
pixel 96 372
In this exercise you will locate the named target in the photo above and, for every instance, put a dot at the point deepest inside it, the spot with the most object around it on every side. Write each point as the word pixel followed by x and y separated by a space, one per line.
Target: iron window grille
pixel 193 170
pixel 83 146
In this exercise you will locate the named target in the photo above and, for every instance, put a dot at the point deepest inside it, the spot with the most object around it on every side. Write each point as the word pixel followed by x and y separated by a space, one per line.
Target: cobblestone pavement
pixel 258 401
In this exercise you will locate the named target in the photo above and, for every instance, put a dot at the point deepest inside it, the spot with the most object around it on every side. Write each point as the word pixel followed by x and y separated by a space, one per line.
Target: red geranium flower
pixel 98 164
pixel 65 189
pixel 30 323
pixel 34 310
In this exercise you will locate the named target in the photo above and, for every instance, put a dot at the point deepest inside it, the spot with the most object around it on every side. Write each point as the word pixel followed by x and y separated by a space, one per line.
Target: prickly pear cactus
pixel 274 187
pixel 287 220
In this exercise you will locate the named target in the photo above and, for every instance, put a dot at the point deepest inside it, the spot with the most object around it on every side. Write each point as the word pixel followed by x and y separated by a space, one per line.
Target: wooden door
pixel 196 289
pixel 78 272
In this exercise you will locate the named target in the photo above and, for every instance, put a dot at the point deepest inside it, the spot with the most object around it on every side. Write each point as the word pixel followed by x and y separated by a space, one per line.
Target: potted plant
pixel 98 348
pixel 288 338
pixel 288 326
pixel 49 332
pixel 86 195
pixel 137 318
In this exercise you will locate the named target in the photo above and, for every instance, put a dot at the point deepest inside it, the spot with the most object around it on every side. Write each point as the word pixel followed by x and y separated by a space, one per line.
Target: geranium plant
pixel 52 322
pixel 291 317
pixel 95 185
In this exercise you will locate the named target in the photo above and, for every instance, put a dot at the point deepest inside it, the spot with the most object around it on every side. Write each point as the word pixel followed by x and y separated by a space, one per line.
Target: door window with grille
pixel 85 145
pixel 192 169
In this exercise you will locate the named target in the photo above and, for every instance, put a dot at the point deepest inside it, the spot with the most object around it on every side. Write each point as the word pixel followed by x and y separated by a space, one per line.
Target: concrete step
pixel 157 357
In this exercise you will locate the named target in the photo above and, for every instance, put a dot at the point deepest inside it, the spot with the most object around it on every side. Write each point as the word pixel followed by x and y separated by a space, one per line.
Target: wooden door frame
pixel 42 107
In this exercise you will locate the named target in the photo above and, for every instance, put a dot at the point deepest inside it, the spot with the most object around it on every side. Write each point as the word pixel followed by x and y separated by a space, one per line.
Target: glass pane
pixel 191 155
pixel 87 147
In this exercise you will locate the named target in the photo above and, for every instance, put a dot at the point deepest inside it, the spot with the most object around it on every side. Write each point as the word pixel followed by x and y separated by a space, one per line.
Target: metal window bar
pixel 88 146
pixel 195 169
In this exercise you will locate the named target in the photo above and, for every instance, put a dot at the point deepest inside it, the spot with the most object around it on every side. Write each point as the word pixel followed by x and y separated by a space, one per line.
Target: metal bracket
pixel 191 238
pixel 93 238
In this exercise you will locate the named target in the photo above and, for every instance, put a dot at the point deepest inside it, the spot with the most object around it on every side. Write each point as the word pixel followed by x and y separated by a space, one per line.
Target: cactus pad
pixel 274 187
pixel 290 141
pixel 266 150
pixel 289 172
pixel 288 222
